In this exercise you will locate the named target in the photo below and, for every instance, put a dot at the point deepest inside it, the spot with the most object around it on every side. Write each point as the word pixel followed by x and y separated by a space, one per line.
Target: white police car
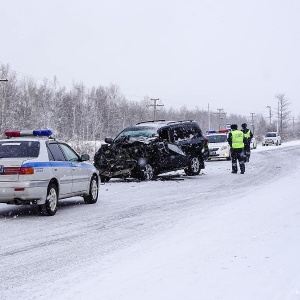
pixel 37 169
pixel 253 143
pixel 218 145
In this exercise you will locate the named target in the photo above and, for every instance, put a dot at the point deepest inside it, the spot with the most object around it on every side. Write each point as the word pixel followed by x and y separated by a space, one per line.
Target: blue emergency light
pixel 210 131
pixel 20 133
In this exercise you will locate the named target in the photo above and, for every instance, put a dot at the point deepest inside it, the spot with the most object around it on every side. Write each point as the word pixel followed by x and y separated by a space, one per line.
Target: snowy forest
pixel 77 113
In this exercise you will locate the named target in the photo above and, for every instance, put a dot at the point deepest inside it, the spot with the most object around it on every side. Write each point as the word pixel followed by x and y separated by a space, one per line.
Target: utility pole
pixel 270 113
pixel 155 105
pixel 208 117
pixel 278 118
pixel 3 103
pixel 252 122
pixel 220 113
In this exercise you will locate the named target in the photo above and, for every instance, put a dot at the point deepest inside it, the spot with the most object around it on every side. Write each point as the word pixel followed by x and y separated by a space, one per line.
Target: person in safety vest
pixel 236 140
pixel 248 135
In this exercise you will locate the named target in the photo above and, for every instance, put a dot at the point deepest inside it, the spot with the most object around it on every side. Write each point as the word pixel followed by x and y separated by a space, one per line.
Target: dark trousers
pixel 238 155
pixel 247 151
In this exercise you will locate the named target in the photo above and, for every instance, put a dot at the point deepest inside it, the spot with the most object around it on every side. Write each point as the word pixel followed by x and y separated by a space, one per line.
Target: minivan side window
pixel 193 132
pixel 164 135
pixel 186 132
pixel 179 134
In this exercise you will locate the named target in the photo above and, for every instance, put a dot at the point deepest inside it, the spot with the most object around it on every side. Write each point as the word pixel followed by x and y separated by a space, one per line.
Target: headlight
pixel 223 148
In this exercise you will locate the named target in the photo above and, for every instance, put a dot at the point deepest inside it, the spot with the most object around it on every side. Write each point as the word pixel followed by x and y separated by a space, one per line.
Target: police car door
pixel 81 177
pixel 61 168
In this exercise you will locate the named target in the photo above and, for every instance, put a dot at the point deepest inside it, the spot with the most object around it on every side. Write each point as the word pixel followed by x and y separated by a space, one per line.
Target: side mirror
pixel 85 157
pixel 108 140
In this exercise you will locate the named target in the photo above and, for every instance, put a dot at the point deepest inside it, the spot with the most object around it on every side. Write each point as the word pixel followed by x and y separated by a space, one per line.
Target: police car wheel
pixel 193 167
pixel 92 197
pixel 49 208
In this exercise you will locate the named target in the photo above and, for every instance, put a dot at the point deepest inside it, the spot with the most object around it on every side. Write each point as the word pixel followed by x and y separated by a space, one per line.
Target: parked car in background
pixel 150 148
pixel 253 143
pixel 271 138
pixel 218 144
pixel 37 169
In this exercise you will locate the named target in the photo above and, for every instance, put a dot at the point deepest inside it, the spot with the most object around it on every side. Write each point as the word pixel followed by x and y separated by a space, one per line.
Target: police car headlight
pixel 223 148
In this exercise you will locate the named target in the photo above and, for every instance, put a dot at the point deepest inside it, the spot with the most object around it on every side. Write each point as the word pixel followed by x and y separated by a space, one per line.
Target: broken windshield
pixel 137 132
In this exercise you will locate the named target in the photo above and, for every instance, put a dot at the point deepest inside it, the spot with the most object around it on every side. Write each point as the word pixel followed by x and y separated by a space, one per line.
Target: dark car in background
pixel 150 148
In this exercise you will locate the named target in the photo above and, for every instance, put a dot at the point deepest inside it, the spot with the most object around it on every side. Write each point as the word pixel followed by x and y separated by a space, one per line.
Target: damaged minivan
pixel 147 149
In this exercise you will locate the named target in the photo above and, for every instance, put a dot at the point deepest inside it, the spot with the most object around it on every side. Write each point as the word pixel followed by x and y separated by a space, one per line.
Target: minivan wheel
pixel 92 197
pixel 147 172
pixel 104 178
pixel 49 208
pixel 193 167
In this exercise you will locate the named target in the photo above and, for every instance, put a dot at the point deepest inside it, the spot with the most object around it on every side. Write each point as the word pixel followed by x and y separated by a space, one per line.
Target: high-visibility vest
pixel 237 139
pixel 247 134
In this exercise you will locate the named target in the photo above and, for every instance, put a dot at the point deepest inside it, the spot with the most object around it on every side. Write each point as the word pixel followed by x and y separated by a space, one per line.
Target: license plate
pixel 212 153
pixel 1 169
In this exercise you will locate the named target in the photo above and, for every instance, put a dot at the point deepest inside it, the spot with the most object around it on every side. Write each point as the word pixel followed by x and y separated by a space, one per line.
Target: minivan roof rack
pixel 170 122
pixel 150 121
pixel 180 121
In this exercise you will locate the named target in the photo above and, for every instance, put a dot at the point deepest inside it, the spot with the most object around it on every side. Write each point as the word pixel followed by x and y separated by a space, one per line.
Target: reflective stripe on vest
pixel 237 139
pixel 247 134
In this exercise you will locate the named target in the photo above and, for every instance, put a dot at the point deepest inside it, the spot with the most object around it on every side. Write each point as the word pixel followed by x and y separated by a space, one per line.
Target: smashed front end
pixel 122 157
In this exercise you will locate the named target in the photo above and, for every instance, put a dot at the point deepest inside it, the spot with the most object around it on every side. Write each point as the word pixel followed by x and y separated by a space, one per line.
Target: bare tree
pixel 283 114
pixel 261 127
pixel 8 94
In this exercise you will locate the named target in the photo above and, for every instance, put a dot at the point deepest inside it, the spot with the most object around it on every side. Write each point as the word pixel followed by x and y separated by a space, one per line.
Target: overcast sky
pixel 233 54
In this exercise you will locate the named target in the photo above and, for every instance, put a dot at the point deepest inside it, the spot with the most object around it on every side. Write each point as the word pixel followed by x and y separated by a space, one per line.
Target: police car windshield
pixel 271 134
pixel 139 131
pixel 11 149
pixel 217 138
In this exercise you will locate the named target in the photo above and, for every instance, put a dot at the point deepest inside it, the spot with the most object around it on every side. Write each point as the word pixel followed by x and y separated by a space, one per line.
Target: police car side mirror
pixel 85 157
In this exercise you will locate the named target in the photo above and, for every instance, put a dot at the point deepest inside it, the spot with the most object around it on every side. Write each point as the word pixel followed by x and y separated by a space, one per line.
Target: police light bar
pixel 210 131
pixel 217 131
pixel 20 133
pixel 223 131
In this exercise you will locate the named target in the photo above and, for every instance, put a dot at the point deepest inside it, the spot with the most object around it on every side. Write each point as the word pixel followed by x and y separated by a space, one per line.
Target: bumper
pixel 269 142
pixel 23 192
pixel 219 154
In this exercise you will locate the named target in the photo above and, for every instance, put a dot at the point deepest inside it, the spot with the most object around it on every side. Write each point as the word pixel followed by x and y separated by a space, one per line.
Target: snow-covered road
pixel 214 236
